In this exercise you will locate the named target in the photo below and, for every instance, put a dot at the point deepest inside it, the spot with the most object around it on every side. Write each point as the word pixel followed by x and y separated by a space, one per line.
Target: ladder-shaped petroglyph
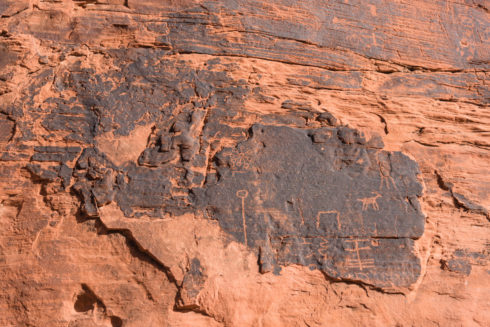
pixel 357 262
pixel 370 202
pixel 243 194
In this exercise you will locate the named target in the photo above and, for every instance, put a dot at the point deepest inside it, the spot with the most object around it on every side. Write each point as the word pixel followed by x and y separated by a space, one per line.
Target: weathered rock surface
pixel 242 163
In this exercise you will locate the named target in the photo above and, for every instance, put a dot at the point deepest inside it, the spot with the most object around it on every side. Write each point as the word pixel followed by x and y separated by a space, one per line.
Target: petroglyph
pixel 242 194
pixel 371 201
pixel 304 198
pixel 337 217
pixel 301 212
pixel 357 262
pixel 386 181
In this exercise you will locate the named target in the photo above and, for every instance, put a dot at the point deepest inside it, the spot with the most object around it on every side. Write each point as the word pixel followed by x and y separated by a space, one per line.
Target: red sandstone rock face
pixel 242 163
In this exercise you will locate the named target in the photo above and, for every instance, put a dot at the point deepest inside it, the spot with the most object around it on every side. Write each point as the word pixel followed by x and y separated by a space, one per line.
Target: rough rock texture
pixel 244 163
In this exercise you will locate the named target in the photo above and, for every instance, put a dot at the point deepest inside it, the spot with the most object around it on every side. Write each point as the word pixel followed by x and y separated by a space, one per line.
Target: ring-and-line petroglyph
pixel 242 194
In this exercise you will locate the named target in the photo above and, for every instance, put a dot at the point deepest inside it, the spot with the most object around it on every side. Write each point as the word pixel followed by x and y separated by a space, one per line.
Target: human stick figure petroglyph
pixel 320 213
pixel 372 201
pixel 242 194
pixel 386 181
pixel 384 174
pixel 358 262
